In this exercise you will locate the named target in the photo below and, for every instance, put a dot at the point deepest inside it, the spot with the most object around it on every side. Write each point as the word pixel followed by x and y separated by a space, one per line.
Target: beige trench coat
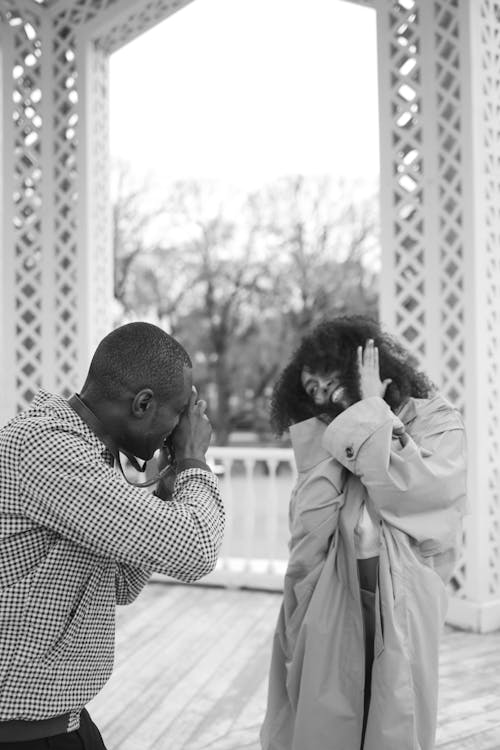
pixel 417 491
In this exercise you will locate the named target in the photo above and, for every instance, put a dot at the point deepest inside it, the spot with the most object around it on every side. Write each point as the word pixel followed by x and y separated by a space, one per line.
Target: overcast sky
pixel 247 90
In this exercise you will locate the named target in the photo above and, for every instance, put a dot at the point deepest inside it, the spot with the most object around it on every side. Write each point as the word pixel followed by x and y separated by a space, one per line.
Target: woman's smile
pixel 323 388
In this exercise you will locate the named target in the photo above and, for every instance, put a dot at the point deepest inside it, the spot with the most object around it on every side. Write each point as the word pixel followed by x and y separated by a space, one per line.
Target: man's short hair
pixel 135 356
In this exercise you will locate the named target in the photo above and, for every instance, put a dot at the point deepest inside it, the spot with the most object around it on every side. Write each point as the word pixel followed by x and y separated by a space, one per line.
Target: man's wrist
pixel 191 462
pixel 188 455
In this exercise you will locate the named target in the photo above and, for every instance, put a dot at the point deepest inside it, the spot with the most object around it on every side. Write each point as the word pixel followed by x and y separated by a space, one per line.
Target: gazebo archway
pixel 439 80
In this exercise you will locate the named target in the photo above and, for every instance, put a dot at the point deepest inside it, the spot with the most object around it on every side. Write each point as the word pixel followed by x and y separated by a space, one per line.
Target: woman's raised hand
pixel 369 372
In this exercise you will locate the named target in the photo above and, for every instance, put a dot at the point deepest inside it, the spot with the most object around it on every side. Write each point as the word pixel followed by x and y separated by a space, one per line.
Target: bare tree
pixel 134 215
pixel 224 270
pixel 240 277
pixel 324 236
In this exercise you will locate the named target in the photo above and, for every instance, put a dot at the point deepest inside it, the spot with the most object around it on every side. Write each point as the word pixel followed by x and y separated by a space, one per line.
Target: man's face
pixel 325 388
pixel 150 433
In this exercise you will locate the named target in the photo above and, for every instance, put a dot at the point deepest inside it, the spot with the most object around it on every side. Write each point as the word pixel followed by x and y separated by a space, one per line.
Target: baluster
pixel 271 516
pixel 249 514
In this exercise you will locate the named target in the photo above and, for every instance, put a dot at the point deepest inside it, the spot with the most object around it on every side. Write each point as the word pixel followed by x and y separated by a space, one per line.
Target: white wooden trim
pixel 8 389
pixel 479 617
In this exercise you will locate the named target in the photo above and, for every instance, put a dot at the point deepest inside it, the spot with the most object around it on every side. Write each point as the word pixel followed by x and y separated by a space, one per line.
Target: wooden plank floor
pixel 191 674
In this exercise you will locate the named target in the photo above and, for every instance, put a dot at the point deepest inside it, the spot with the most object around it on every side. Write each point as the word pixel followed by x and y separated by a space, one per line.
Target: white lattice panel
pixel 424 227
pixel 67 20
pixel 23 77
pixel 448 75
pixel 143 16
pixel 54 247
pixel 448 43
pixel 490 65
pixel 101 260
pixel 75 13
pixel 405 226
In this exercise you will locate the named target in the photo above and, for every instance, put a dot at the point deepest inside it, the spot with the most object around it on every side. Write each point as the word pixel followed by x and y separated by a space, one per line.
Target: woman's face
pixel 325 388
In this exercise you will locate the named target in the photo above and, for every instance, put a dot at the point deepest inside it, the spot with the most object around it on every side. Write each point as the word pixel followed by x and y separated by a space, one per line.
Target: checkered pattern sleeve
pixel 67 487
pixel 129 582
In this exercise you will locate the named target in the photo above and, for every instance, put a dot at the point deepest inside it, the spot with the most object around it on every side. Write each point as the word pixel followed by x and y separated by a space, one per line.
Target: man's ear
pixel 142 403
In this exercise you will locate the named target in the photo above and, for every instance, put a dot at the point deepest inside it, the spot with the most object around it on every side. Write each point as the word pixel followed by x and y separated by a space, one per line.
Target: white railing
pixel 255 484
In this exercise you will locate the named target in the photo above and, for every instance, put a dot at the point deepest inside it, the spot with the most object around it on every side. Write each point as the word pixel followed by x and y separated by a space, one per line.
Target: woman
pixel 375 527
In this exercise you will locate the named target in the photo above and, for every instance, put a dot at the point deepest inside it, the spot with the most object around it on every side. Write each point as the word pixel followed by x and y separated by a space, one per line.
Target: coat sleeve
pixel 317 496
pixel 314 508
pixel 314 512
pixel 418 487
pixel 316 501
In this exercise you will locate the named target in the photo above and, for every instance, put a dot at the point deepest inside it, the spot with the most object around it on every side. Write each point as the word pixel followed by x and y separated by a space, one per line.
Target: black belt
pixel 18 730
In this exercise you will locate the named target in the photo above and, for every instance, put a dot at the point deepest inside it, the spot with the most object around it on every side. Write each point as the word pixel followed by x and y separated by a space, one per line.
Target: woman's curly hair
pixel 332 347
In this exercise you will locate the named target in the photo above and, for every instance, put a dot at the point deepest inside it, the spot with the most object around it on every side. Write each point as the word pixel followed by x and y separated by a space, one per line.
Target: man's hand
pixel 191 437
pixel 369 372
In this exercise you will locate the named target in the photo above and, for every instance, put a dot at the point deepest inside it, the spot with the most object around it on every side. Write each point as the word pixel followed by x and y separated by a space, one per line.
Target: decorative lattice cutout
pixel 490 65
pixel 144 17
pixel 449 100
pixel 407 198
pixel 414 220
pixel 449 95
pixel 26 96
pixel 58 270
pixel 65 98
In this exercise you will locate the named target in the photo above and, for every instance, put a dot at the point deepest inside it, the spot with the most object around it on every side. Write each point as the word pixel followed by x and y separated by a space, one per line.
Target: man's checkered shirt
pixel 76 539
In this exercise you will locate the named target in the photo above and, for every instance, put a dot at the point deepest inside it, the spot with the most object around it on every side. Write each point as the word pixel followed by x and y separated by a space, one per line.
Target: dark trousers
pixel 368 574
pixel 87 737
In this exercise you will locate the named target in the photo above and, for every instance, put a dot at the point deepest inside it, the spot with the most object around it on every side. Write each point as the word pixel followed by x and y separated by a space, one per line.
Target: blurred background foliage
pixel 238 276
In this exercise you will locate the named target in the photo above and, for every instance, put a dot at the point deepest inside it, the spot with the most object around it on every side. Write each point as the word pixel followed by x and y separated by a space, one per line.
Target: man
pixel 77 539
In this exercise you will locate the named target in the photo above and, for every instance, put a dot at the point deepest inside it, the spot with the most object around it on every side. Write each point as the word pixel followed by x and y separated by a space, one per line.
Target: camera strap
pixel 97 427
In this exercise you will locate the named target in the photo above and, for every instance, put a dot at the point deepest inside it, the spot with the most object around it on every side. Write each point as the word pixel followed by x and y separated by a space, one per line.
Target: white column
pixel 480 607
pixel 23 210
pixel 8 384
pixel 408 176
pixel 82 246
pixel 56 252
pixel 439 80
